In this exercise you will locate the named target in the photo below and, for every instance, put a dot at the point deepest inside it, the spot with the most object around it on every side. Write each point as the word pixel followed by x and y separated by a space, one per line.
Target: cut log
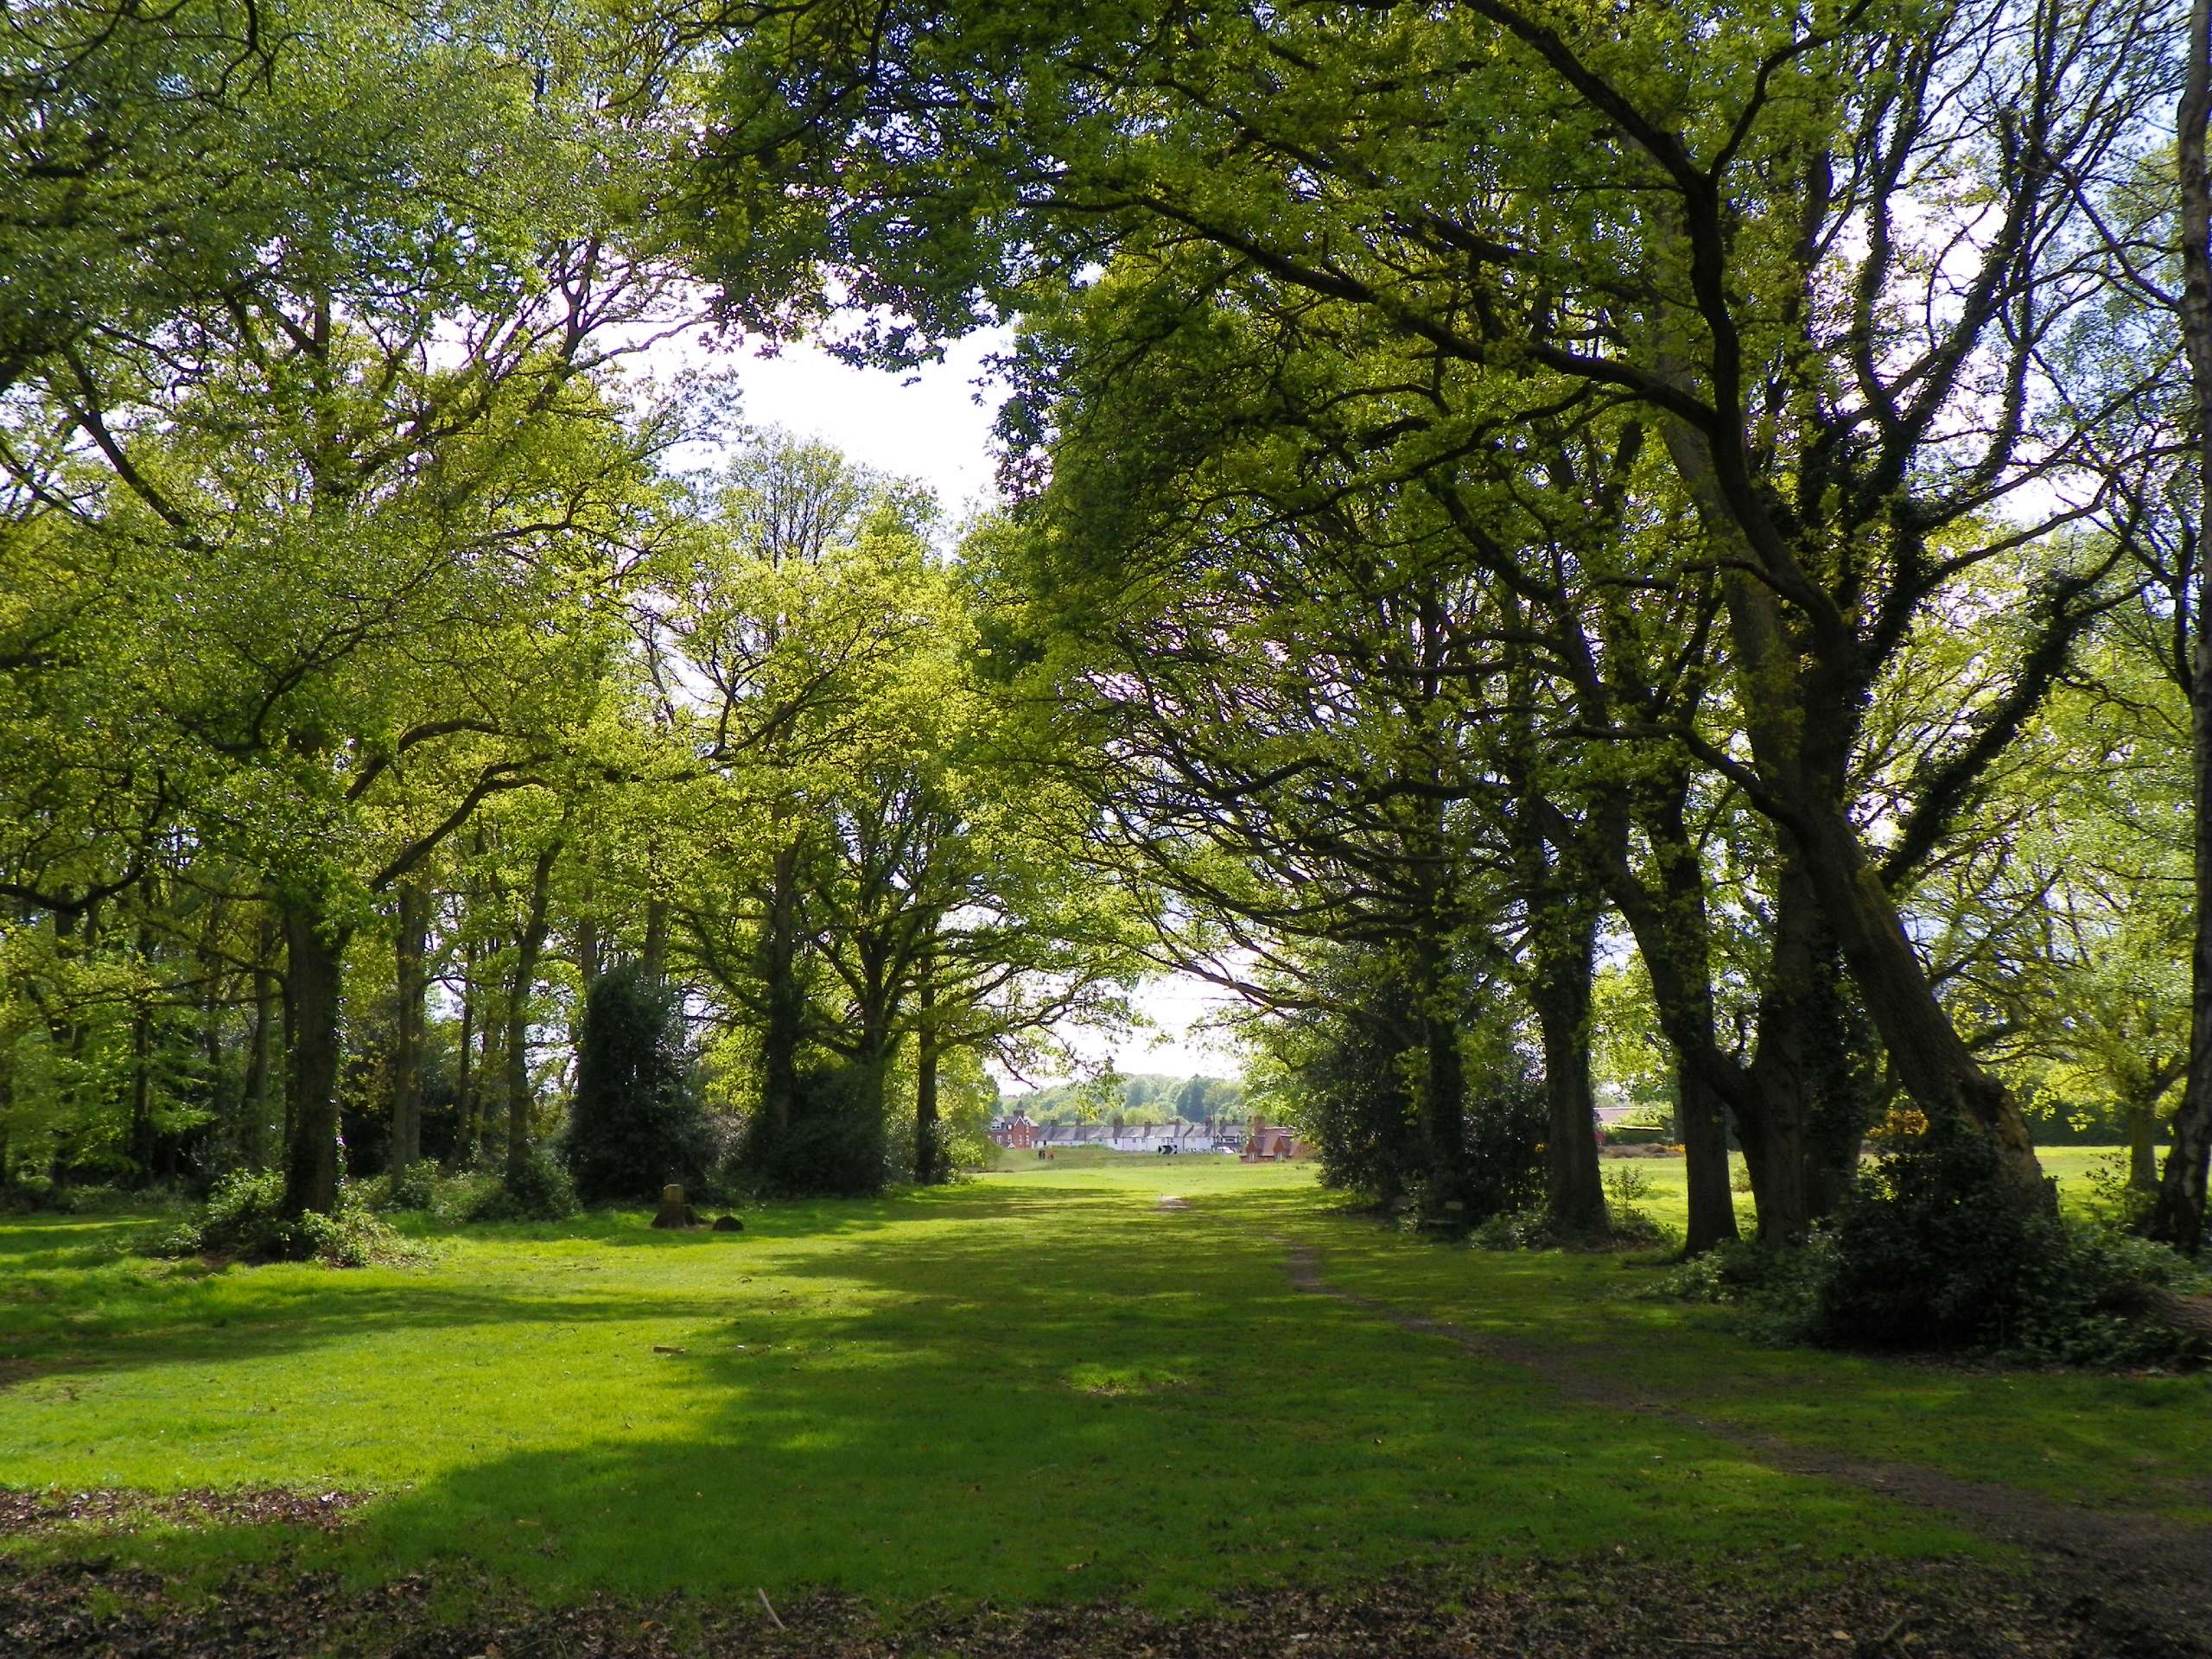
pixel 674 1211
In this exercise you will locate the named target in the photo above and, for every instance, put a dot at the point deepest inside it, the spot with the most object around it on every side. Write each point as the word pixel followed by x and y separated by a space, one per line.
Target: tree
pixel 634 1125
pixel 1667 198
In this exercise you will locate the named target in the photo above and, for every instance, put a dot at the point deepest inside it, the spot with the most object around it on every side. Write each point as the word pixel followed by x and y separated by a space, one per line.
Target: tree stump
pixel 674 1212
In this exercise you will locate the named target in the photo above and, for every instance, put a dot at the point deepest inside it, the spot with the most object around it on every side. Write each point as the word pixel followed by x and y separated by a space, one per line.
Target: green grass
pixel 1038 1387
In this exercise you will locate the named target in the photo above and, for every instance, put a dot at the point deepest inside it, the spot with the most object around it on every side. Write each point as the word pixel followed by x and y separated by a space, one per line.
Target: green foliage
pixel 635 1124
pixel 833 1143
pixel 1926 1252
pixel 542 1191
pixel 244 1218
pixel 1139 1096
pixel 415 1188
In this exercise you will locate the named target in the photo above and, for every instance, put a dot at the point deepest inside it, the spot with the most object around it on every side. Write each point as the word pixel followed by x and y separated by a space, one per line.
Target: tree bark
pixel 527 943
pixel 257 1101
pixel 411 984
pixel 1565 946
pixel 467 1083
pixel 2177 1217
pixel 1710 1215
pixel 141 1093
pixel 928 1160
pixel 784 1000
pixel 2143 1145
pixel 315 953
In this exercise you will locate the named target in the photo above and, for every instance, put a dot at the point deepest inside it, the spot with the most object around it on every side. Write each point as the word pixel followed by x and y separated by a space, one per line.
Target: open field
pixel 1041 1387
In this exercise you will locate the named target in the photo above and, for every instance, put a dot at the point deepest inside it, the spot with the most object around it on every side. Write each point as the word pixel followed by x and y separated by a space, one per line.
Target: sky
pixel 934 425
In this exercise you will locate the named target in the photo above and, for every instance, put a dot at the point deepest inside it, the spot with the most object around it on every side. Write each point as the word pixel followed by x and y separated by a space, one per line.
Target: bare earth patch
pixel 1578 1610
pixel 27 1513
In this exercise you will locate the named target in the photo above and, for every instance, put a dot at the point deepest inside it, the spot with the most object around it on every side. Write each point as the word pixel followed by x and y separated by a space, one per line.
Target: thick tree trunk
pixel 467 1085
pixel 315 955
pixel 1698 1102
pixel 411 983
pixel 656 953
pixel 1801 1129
pixel 1925 1050
pixel 783 1025
pixel 2143 1146
pixel 589 956
pixel 258 1101
pixel 1443 1093
pixel 1798 711
pixel 141 1093
pixel 2177 1218
pixel 528 944
pixel 928 1151
pixel 1574 1195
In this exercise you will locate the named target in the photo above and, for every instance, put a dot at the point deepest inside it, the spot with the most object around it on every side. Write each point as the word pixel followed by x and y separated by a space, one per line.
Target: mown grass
pixel 1038 1387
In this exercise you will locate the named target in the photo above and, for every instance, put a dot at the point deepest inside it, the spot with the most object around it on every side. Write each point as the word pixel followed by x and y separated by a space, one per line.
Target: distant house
pixel 1272 1145
pixel 1017 1131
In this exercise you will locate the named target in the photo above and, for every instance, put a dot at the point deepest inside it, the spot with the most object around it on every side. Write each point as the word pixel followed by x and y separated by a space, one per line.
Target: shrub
pixel 34 1194
pixel 415 1188
pixel 1627 1185
pixel 1516 1229
pixel 244 1218
pixel 832 1144
pixel 1506 1117
pixel 635 1124
pixel 540 1191
pixel 1929 1251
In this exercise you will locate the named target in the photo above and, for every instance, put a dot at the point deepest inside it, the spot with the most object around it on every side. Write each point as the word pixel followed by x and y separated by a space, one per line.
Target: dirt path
pixel 2143 1581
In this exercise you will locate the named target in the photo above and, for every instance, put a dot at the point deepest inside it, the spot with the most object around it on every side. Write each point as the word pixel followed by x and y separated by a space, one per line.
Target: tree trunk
pixel 1574 1196
pixel 257 1101
pixel 1930 1060
pixel 528 944
pixel 784 1000
pixel 1698 1102
pixel 289 1009
pixel 411 984
pixel 2177 1218
pixel 1796 715
pixel 315 955
pixel 466 1084
pixel 2143 1146
pixel 588 953
pixel 928 1158
pixel 655 955
pixel 1443 1095
pixel 141 1093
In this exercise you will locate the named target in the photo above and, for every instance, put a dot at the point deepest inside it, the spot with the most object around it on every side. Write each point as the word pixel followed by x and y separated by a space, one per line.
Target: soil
pixel 1596 1609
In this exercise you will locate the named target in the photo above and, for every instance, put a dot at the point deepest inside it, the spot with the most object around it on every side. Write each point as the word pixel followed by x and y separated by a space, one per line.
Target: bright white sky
pixel 931 425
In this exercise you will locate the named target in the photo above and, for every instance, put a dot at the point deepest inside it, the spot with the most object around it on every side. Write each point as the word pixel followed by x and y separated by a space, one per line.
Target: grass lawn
pixel 1041 1386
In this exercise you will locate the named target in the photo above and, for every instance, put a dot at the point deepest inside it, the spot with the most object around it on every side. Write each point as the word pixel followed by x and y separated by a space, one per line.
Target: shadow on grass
pixel 1062 1398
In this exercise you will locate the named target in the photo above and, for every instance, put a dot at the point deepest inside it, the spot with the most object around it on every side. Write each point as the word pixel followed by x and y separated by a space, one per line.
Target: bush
pixel 1929 1251
pixel 540 1191
pixel 1517 1230
pixel 1506 1118
pixel 34 1194
pixel 244 1218
pixel 1627 1185
pixel 635 1124
pixel 833 1143
pixel 415 1188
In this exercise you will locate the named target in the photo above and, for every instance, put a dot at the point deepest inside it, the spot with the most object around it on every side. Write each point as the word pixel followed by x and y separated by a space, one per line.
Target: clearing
pixel 942 1420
